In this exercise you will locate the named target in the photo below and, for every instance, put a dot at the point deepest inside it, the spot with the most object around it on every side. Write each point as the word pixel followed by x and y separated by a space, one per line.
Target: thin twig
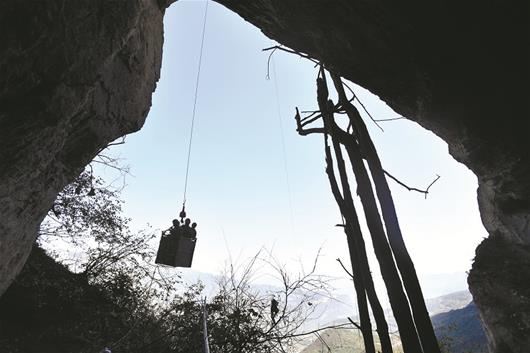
pixel 426 191
pixel 317 113
pixel 362 105
pixel 345 269
pixel 121 142
pixel 268 77
pixel 316 130
pixel 354 324
pixel 323 341
pixel 307 122
pixel 391 119
pixel 305 56
pixel 322 329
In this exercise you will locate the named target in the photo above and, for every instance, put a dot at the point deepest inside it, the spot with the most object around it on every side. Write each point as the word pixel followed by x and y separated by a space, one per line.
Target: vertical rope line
pixel 195 102
pixel 284 149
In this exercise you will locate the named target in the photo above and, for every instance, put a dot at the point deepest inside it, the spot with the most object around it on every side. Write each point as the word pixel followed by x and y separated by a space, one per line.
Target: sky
pixel 247 189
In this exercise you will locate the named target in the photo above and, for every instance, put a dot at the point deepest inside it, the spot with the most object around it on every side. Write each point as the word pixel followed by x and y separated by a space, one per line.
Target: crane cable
pixel 282 138
pixel 194 106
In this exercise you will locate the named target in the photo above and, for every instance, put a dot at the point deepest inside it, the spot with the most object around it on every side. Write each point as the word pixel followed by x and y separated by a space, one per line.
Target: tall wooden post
pixel 206 345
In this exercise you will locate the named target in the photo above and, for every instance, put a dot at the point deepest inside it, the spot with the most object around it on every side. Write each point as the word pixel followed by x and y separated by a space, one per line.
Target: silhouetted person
pixel 169 244
pixel 175 229
pixel 274 309
pixel 187 231
pixel 193 231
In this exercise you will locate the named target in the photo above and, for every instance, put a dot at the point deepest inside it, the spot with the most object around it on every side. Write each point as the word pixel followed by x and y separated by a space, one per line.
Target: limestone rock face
pixel 74 75
pixel 499 280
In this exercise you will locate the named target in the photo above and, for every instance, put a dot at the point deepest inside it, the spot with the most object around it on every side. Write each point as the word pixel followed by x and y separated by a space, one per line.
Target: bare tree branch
pixel 426 191
pixel 354 323
pixel 391 119
pixel 345 269
pixel 362 105
pixel 302 55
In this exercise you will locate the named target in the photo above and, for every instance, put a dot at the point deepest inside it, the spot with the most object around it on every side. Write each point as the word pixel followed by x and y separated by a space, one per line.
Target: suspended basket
pixel 175 250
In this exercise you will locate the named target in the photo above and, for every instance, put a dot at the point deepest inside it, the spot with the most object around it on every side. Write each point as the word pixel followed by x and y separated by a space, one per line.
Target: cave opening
pixel 241 188
pixel 237 112
pixel 73 85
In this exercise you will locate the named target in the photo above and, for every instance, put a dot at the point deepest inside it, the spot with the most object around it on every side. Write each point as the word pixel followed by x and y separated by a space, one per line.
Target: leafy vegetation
pixel 95 286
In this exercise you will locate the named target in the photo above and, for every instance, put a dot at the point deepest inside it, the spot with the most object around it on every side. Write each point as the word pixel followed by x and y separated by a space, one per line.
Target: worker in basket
pixel 174 230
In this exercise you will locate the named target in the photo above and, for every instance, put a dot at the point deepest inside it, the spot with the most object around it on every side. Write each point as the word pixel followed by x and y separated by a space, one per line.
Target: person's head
pixel 176 223
pixel 193 225
pixel 187 222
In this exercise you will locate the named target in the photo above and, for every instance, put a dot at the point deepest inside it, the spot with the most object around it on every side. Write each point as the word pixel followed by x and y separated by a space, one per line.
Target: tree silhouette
pixel 397 269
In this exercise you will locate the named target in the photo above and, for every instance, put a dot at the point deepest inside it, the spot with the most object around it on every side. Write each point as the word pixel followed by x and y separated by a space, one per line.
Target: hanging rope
pixel 282 138
pixel 194 106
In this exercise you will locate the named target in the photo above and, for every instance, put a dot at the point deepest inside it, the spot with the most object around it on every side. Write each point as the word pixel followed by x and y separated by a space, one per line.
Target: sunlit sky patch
pixel 240 192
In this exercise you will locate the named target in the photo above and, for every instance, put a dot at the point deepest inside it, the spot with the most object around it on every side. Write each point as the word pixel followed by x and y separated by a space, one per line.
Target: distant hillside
pixel 441 304
pixel 448 302
pixel 342 341
pixel 459 329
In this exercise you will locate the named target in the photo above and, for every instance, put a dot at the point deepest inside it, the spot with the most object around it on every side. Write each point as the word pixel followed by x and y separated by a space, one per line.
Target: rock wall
pixel 74 75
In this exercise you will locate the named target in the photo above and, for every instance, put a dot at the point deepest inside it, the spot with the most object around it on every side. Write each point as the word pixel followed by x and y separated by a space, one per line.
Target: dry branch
pixel 391 119
pixel 345 269
pixel 426 191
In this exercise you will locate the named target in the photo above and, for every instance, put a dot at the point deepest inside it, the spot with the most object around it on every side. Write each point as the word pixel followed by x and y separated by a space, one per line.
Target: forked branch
pixel 409 188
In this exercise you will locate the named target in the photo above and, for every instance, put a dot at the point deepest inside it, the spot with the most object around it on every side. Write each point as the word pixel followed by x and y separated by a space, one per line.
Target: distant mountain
pixel 341 341
pixel 441 304
pixel 461 330
pixel 341 304
pixel 448 302
pixel 455 320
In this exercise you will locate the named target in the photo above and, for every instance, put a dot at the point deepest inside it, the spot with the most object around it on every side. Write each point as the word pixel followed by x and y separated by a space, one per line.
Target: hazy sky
pixel 238 190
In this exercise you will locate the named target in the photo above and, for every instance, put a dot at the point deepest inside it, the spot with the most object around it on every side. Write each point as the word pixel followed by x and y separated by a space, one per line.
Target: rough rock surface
pixel 76 75
pixel 500 283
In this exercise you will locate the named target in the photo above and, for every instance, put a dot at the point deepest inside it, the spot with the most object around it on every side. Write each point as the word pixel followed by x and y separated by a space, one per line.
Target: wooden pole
pixel 364 314
pixel 395 238
pixel 206 345
pixel 359 261
pixel 363 281
pixel 396 294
